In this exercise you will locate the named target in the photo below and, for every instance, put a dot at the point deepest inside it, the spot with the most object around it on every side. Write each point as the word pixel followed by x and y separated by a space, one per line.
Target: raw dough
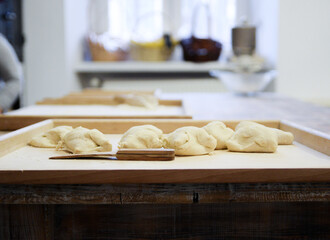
pixel 140 137
pixel 50 138
pixel 81 140
pixel 148 101
pixel 190 141
pixel 220 132
pixel 253 138
pixel 283 138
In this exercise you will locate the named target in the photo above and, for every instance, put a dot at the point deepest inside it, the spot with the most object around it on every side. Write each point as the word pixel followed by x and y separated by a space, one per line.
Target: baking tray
pixel 104 92
pixel 306 161
pixel 100 100
pixel 85 108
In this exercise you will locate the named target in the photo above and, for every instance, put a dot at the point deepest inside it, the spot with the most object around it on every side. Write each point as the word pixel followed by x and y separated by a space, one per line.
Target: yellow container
pixel 151 51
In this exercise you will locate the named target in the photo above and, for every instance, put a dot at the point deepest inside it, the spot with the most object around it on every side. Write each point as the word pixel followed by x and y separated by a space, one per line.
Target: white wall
pixel 304 49
pixel 76 27
pixel 44 57
pixel 53 31
pixel 264 15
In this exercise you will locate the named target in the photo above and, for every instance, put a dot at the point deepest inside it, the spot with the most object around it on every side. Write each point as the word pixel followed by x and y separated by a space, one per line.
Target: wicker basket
pixel 200 49
pixel 100 53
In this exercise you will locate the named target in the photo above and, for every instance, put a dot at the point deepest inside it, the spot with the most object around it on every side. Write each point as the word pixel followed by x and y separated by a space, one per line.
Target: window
pixel 222 17
pixel 146 20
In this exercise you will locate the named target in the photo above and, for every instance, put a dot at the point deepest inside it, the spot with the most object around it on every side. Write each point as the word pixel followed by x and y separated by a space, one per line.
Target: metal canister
pixel 243 39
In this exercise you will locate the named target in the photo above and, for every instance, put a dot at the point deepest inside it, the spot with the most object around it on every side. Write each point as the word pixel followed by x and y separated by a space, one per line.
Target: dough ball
pixel 220 132
pixel 140 137
pixel 81 140
pixel 148 101
pixel 190 141
pixel 253 138
pixel 50 138
pixel 283 138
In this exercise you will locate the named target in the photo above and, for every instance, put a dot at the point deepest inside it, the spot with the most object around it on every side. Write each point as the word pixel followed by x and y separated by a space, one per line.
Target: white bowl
pixel 245 83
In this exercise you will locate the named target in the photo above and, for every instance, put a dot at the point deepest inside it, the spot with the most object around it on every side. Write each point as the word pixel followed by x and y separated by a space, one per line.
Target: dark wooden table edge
pixel 165 176
pixel 163 193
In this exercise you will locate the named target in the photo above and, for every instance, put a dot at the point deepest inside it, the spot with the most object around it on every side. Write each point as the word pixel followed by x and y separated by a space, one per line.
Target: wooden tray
pixel 103 92
pixel 62 109
pixel 100 100
pixel 306 161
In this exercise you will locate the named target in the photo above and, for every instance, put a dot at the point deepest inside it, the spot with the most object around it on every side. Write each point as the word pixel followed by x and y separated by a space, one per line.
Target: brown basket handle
pixel 194 19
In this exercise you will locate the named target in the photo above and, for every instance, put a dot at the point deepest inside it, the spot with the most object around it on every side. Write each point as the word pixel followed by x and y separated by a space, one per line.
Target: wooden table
pixel 264 106
pixel 180 211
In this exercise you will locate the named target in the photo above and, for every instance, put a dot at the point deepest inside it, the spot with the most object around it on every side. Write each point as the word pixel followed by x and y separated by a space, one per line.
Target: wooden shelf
pixel 133 66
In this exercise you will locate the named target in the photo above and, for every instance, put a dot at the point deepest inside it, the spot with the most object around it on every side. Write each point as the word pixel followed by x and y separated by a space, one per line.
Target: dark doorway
pixel 11 24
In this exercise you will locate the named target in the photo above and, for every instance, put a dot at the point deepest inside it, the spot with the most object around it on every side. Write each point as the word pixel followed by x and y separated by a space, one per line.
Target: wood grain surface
pixel 292 220
pixel 165 211
pixel 263 106
pixel 164 193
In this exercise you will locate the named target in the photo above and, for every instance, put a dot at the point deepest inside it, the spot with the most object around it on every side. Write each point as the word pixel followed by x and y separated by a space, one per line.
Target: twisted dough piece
pixel 220 132
pixel 50 138
pixel 81 140
pixel 253 138
pixel 140 137
pixel 283 138
pixel 190 141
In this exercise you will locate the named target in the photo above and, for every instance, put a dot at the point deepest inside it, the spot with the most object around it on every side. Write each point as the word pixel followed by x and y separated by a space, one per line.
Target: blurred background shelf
pixel 147 67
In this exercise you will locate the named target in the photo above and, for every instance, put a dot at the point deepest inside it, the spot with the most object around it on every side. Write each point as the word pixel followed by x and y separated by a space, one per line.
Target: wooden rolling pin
pixel 156 154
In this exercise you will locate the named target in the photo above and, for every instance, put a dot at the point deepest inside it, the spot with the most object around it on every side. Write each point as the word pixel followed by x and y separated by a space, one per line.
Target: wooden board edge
pixel 78 100
pixel 174 102
pixel 14 122
pixel 97 100
pixel 15 140
pixel 97 90
pixel 309 137
pixel 102 92
pixel 167 125
pixel 176 176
